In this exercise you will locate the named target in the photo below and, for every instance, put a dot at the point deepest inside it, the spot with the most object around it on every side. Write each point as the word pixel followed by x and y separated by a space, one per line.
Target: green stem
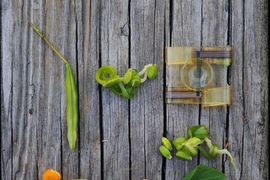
pixel 221 151
pixel 144 78
pixel 124 91
pixel 204 153
pixel 48 42
pixel 208 142
pixel 225 151
pixel 144 69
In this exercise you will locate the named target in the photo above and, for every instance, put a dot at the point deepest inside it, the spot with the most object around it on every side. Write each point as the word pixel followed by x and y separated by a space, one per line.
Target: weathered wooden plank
pixel 87 13
pixel 235 133
pixel 147 108
pixel 249 77
pixel 114 49
pixel 118 138
pixel 185 31
pixel 53 147
pixel 215 25
pixel 6 90
pixel 21 135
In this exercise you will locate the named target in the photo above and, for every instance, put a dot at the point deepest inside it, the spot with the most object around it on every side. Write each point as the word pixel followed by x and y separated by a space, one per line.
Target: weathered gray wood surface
pixel 118 138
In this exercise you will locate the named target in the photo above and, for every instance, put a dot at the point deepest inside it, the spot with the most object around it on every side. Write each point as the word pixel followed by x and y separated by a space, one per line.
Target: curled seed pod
pixel 199 131
pixel 127 92
pixel 134 72
pixel 135 81
pixel 152 72
pixel 183 155
pixel 131 91
pixel 104 74
pixel 165 152
pixel 113 81
pixel 178 142
pixel 166 143
pixel 116 90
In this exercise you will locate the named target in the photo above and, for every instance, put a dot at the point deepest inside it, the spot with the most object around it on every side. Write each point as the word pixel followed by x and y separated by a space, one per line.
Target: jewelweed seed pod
pixel 178 142
pixel 199 131
pixel 194 142
pixel 135 81
pixel 128 75
pixel 104 74
pixel 213 150
pixel 165 152
pixel 113 81
pixel 183 155
pixel 152 71
pixel 193 151
pixel 166 143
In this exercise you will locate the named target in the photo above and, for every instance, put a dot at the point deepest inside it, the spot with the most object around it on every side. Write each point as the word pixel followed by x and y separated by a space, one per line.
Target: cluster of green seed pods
pixel 124 86
pixel 189 147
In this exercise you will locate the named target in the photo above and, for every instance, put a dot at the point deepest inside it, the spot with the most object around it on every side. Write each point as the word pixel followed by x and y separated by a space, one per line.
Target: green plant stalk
pixel 214 150
pixel 144 69
pixel 72 97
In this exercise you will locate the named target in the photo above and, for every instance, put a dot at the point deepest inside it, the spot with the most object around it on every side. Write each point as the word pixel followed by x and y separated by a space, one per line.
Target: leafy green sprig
pixel 124 86
pixel 187 148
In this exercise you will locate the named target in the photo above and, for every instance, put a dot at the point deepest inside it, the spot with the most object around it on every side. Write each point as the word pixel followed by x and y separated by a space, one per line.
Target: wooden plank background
pixel 119 138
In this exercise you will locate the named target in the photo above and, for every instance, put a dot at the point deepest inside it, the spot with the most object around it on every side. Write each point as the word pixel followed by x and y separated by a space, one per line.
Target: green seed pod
pixel 72 107
pixel 116 90
pixel 104 74
pixel 165 152
pixel 113 81
pixel 152 72
pixel 135 81
pixel 183 155
pixel 213 150
pixel 193 151
pixel 166 143
pixel 194 142
pixel 127 92
pixel 131 90
pixel 127 76
pixel 179 141
pixel 134 72
pixel 199 131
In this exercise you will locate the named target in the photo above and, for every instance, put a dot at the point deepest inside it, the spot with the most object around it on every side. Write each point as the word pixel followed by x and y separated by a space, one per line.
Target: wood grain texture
pixel 215 24
pixel 185 22
pixel 147 108
pixel 119 138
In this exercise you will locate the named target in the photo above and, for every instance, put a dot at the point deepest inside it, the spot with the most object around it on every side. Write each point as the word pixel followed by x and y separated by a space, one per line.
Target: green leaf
pixel 203 172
